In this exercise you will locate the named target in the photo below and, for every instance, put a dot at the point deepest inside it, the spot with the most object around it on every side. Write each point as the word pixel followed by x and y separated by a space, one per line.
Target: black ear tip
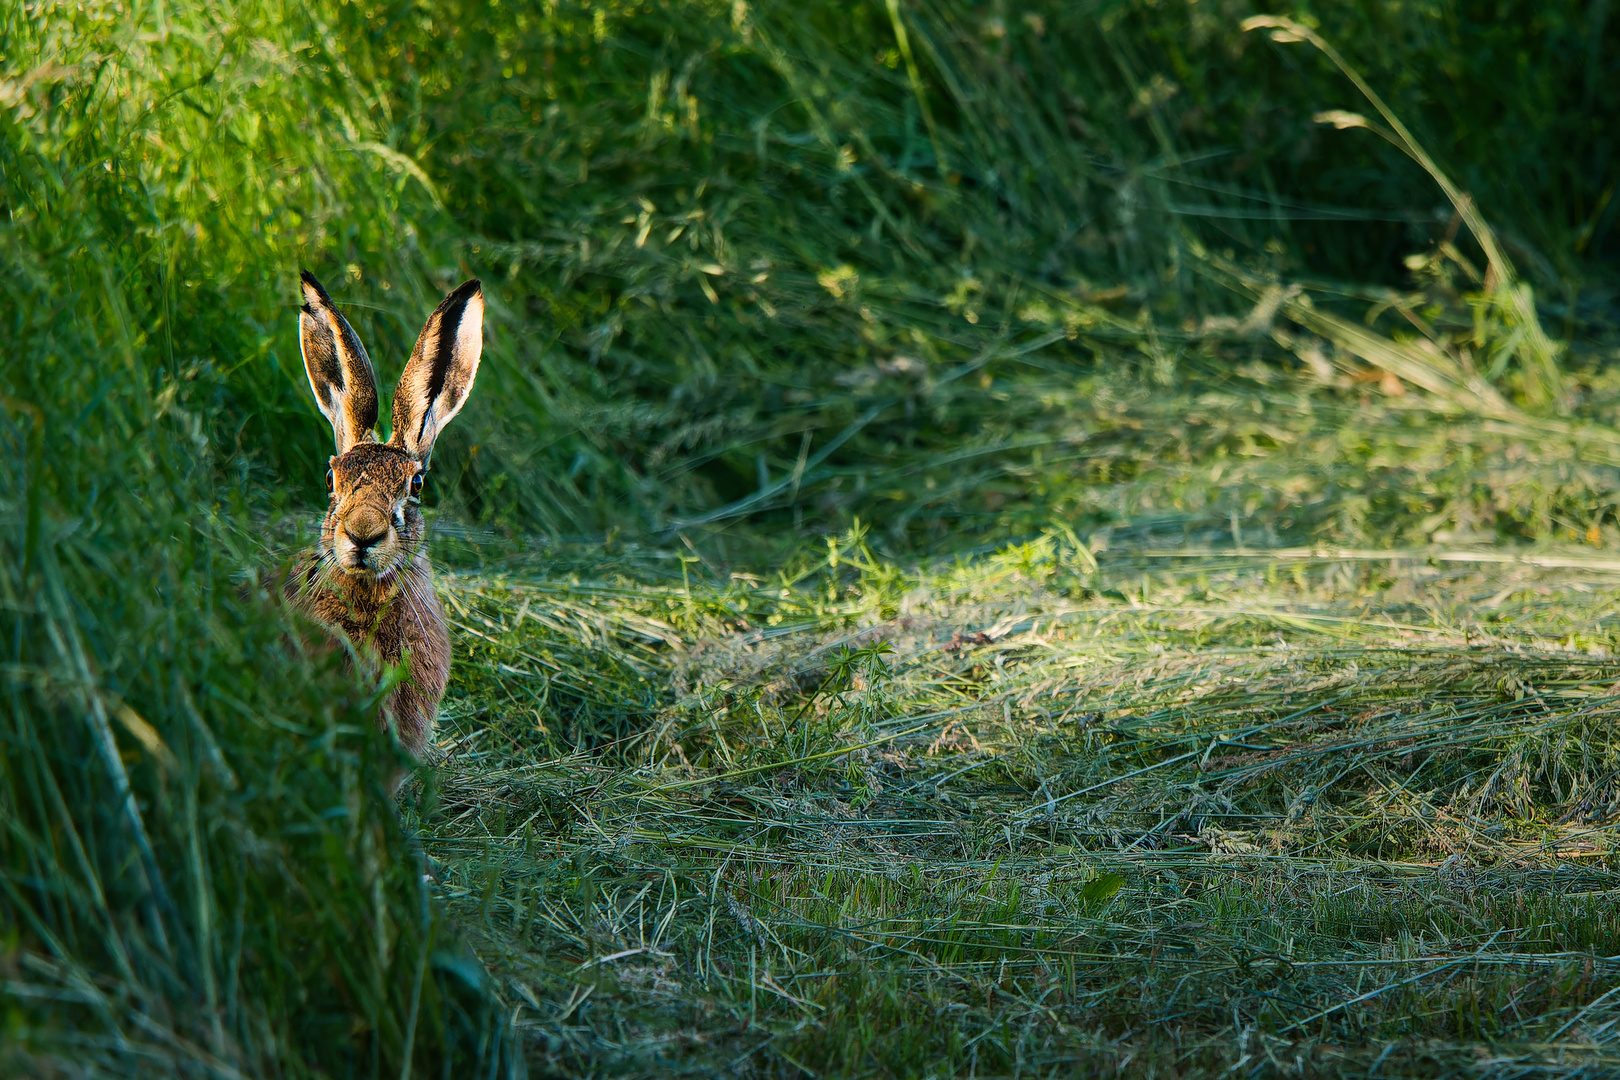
pixel 466 290
pixel 312 285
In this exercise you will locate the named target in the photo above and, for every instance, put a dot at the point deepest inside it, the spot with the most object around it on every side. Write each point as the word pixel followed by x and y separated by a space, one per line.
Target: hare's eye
pixel 329 480
pixel 416 486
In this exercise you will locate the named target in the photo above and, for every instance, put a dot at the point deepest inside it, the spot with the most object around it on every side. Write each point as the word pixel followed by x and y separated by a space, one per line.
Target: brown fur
pixel 386 604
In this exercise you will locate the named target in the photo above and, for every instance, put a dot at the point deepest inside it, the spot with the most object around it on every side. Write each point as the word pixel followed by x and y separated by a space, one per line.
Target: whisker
pixel 406 593
pixel 410 578
pixel 419 585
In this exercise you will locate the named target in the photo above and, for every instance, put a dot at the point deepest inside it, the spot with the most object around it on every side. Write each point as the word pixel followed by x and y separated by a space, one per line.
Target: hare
pixel 369 576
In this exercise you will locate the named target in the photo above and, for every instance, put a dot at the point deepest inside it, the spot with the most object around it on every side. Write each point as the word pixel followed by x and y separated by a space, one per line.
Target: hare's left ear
pixel 439 375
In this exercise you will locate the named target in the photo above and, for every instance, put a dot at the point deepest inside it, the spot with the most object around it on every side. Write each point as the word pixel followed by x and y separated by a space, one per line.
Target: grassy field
pixel 990 541
pixel 1155 809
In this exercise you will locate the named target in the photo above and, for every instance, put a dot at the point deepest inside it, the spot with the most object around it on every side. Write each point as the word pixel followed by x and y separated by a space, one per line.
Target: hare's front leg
pixel 414 712
pixel 426 643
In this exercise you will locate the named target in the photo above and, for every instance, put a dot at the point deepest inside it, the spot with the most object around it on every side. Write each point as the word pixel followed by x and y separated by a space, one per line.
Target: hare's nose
pixel 366 532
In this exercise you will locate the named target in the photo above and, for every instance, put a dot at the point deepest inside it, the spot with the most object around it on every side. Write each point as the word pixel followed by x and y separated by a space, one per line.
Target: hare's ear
pixel 439 375
pixel 339 371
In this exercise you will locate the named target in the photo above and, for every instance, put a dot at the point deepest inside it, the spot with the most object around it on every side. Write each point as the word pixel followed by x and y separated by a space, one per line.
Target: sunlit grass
pixel 1180 811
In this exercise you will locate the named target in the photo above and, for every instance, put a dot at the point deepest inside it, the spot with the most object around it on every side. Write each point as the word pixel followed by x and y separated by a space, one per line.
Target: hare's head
pixel 373 519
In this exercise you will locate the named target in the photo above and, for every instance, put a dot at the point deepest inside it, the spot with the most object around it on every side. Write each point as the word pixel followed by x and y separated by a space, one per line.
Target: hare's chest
pixel 372 619
pixel 386 624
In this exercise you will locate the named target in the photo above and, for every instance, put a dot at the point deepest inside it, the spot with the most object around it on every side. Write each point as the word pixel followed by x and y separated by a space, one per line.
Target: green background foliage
pixel 756 273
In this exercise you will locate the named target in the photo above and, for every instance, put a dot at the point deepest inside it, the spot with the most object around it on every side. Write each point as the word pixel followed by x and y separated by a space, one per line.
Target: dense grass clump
pixel 989 539
pixel 201 868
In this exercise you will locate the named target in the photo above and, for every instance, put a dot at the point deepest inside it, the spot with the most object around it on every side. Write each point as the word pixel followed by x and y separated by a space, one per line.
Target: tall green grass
pixel 201 869
pixel 764 258
pixel 963 270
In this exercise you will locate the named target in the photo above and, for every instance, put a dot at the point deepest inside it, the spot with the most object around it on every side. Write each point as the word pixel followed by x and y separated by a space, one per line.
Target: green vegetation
pixel 990 540
pixel 1303 813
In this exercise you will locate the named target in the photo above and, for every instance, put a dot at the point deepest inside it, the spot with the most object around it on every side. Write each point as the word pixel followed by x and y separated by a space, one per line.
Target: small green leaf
pixel 1100 889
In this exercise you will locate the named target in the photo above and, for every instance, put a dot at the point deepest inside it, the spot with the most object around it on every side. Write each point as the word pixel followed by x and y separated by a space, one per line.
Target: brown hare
pixel 369 576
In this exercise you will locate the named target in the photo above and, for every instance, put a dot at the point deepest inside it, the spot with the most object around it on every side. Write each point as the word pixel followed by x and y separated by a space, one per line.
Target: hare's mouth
pixel 373 565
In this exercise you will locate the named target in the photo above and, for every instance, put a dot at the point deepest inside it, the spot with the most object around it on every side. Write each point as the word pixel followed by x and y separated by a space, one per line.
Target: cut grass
pixel 1189 812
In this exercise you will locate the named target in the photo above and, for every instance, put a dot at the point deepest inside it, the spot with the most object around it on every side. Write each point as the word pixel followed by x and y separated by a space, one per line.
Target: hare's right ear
pixel 340 373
